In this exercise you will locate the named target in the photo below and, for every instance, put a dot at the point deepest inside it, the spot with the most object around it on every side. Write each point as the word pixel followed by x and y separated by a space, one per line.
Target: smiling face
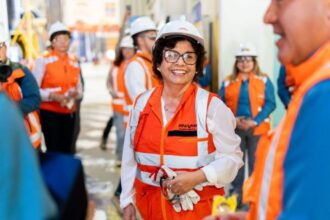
pixel 245 64
pixel 178 73
pixel 61 43
pixel 303 26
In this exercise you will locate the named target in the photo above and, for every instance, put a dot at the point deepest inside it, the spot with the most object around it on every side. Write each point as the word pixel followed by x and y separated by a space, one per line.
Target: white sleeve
pixel 135 79
pixel 228 159
pixel 39 72
pixel 128 171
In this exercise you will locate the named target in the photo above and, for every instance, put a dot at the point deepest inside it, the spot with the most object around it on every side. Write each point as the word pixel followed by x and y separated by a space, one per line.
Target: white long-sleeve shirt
pixel 135 80
pixel 228 159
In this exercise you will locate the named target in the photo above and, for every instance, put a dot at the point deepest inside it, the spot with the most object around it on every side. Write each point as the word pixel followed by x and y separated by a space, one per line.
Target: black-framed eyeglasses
pixel 244 59
pixel 2 44
pixel 172 56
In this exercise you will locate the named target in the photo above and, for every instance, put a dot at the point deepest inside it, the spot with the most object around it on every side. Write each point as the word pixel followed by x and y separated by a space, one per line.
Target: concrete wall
pixel 241 21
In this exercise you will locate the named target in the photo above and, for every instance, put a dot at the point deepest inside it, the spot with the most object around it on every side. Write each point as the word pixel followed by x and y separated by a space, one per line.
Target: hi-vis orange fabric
pixel 177 145
pixel 118 84
pixel 257 86
pixel 60 72
pixel 264 189
pixel 31 120
pixel 145 60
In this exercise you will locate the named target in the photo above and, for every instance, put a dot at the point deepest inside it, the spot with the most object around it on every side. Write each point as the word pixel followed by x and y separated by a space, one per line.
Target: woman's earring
pixel 196 73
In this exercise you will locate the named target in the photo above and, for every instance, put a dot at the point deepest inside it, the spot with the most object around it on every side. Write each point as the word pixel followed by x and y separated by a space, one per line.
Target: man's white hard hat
pixel 142 24
pixel 57 27
pixel 246 49
pixel 127 41
pixel 180 27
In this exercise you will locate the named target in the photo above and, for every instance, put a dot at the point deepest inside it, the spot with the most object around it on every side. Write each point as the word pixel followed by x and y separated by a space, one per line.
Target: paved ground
pixel 101 172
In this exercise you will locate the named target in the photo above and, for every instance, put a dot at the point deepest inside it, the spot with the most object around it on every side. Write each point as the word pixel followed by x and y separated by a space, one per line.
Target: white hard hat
pixel 246 49
pixel 142 24
pixel 57 27
pixel 127 31
pixel 127 41
pixel 180 27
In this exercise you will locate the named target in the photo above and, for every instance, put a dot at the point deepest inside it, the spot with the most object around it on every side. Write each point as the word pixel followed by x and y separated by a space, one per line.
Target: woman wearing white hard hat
pixel 180 147
pixel 59 77
pixel 249 93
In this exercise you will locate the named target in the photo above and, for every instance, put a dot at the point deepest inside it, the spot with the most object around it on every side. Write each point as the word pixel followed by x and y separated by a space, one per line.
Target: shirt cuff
pixel 210 174
pixel 125 202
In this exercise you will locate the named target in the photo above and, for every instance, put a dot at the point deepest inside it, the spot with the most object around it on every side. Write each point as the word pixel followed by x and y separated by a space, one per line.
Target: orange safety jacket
pixel 63 73
pixel 31 120
pixel 118 85
pixel 184 144
pixel 264 188
pixel 257 86
pixel 145 60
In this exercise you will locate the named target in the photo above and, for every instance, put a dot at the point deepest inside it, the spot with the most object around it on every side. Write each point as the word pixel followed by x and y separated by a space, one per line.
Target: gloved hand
pixel 164 172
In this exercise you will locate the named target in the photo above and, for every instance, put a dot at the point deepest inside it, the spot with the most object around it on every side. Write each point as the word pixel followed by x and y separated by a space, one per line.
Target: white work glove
pixel 164 172
pixel 193 196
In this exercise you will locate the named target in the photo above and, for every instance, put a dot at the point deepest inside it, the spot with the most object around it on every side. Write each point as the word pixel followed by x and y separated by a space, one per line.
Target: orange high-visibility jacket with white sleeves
pixel 183 144
pixel 144 59
pixel 117 84
pixel 31 120
pixel 61 73
pixel 257 86
pixel 295 156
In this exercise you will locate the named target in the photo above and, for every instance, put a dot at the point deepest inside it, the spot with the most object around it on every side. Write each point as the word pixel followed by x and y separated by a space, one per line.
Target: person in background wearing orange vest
pixel 249 93
pixel 116 87
pixel 58 76
pixel 20 85
pixel 139 75
pixel 180 145
pixel 292 171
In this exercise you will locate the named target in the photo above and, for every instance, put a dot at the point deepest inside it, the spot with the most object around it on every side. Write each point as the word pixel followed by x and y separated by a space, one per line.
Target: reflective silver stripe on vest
pixel 145 178
pixel 135 112
pixel 51 59
pixel 267 174
pixel 33 123
pixel 118 101
pixel 172 161
pixel 146 69
pixel 201 111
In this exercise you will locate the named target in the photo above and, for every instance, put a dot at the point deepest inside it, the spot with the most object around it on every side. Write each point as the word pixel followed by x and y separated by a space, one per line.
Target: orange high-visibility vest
pixel 31 120
pixel 183 145
pixel 144 59
pixel 63 73
pixel 265 194
pixel 118 85
pixel 257 85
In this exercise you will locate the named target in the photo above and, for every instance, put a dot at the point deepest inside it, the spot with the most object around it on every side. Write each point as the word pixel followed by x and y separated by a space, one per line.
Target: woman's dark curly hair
pixel 169 43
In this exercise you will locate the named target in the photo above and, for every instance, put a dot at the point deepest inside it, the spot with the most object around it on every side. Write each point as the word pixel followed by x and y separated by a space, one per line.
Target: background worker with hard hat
pixel 139 76
pixel 249 93
pixel 116 87
pixel 58 76
pixel 20 85
pixel 180 146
